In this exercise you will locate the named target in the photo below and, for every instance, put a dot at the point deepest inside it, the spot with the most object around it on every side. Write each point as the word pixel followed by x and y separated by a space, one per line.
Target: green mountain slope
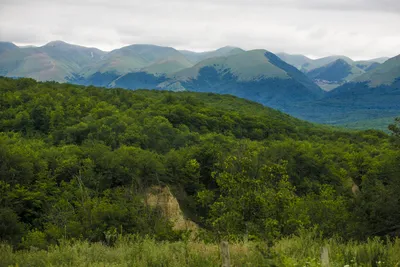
pixel 385 74
pixel 334 74
pixel 34 63
pixel 333 71
pixel 380 60
pixel 73 55
pixel 306 64
pixel 367 65
pixel 337 71
pixel 6 46
pixel 320 62
pixel 373 96
pixel 56 61
pixel 139 57
pixel 123 67
pixel 256 75
pixel 295 60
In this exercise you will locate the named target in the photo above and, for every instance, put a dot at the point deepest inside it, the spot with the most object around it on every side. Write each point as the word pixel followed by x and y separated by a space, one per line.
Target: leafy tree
pixel 395 129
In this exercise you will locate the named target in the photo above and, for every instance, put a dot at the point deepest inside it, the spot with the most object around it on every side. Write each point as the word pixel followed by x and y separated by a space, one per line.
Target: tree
pixel 395 129
pixel 252 200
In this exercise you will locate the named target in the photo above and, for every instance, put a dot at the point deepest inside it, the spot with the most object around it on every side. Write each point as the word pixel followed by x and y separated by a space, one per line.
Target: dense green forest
pixel 75 163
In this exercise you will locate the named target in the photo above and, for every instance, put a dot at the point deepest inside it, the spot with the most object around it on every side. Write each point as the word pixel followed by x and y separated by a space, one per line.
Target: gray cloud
pixel 357 28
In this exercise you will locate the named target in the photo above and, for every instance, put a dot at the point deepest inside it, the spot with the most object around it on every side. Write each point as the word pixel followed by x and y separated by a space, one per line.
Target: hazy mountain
pixel 333 71
pixel 367 65
pixel 367 90
pixel 73 55
pixel 56 61
pixel 334 74
pixel 320 62
pixel 6 46
pixel 306 64
pixel 150 59
pixel 136 57
pixel 295 60
pixel 387 73
pixel 33 63
pixel 379 59
pixel 256 75
pixel 196 57
pixel 375 95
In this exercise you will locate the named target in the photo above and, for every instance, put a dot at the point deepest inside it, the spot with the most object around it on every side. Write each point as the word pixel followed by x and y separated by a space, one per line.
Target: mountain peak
pixel 56 43
pixel 341 62
pixel 146 46
pixel 228 48
pixel 6 46
pixel 385 74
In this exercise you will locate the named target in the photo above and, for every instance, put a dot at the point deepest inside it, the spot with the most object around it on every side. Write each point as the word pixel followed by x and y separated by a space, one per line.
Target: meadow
pixel 301 250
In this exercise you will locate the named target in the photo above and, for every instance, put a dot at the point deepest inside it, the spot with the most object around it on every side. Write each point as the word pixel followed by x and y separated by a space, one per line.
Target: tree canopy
pixel 75 162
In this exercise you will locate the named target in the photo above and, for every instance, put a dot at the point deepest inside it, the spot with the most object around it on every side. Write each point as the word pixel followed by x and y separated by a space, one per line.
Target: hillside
pixel 333 71
pixel 138 57
pixel 367 65
pixel 385 74
pixel 335 74
pixel 6 46
pixel 130 62
pixel 306 64
pixel 56 61
pixel 256 75
pixel 78 162
pixel 337 71
pixel 295 60
pixel 371 97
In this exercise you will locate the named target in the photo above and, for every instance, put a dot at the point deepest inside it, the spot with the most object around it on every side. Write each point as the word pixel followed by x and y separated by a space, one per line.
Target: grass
pixel 303 250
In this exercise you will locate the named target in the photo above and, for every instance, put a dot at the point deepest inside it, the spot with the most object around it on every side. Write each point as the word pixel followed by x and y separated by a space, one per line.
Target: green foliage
pixel 76 163
pixel 395 129
pixel 253 199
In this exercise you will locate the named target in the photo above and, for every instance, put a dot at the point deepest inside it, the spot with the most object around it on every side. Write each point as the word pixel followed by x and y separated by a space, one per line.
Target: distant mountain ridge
pixel 333 71
pixel 196 57
pixel 255 75
pixel 291 83
pixel 57 60
pixel 375 95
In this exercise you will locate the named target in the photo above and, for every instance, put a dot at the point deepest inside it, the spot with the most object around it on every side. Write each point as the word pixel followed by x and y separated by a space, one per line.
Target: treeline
pixel 75 162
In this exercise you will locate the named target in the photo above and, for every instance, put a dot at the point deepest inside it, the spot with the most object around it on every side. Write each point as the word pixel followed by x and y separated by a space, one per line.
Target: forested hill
pixel 75 162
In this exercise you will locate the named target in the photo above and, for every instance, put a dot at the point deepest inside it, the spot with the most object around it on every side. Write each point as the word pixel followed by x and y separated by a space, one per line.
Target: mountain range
pixel 333 71
pixel 333 90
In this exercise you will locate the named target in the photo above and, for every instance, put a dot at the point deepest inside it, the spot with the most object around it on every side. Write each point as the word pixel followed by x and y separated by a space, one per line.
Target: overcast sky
pixel 357 28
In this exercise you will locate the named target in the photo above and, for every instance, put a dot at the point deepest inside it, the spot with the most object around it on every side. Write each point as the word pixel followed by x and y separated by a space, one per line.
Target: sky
pixel 360 29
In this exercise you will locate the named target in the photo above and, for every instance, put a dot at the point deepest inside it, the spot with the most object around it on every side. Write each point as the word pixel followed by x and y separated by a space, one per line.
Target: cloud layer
pixel 356 28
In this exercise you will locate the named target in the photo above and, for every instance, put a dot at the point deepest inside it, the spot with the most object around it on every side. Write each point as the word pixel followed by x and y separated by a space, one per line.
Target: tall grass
pixel 303 250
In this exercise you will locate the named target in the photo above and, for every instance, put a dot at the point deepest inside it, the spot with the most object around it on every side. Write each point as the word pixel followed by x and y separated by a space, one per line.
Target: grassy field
pixel 130 251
